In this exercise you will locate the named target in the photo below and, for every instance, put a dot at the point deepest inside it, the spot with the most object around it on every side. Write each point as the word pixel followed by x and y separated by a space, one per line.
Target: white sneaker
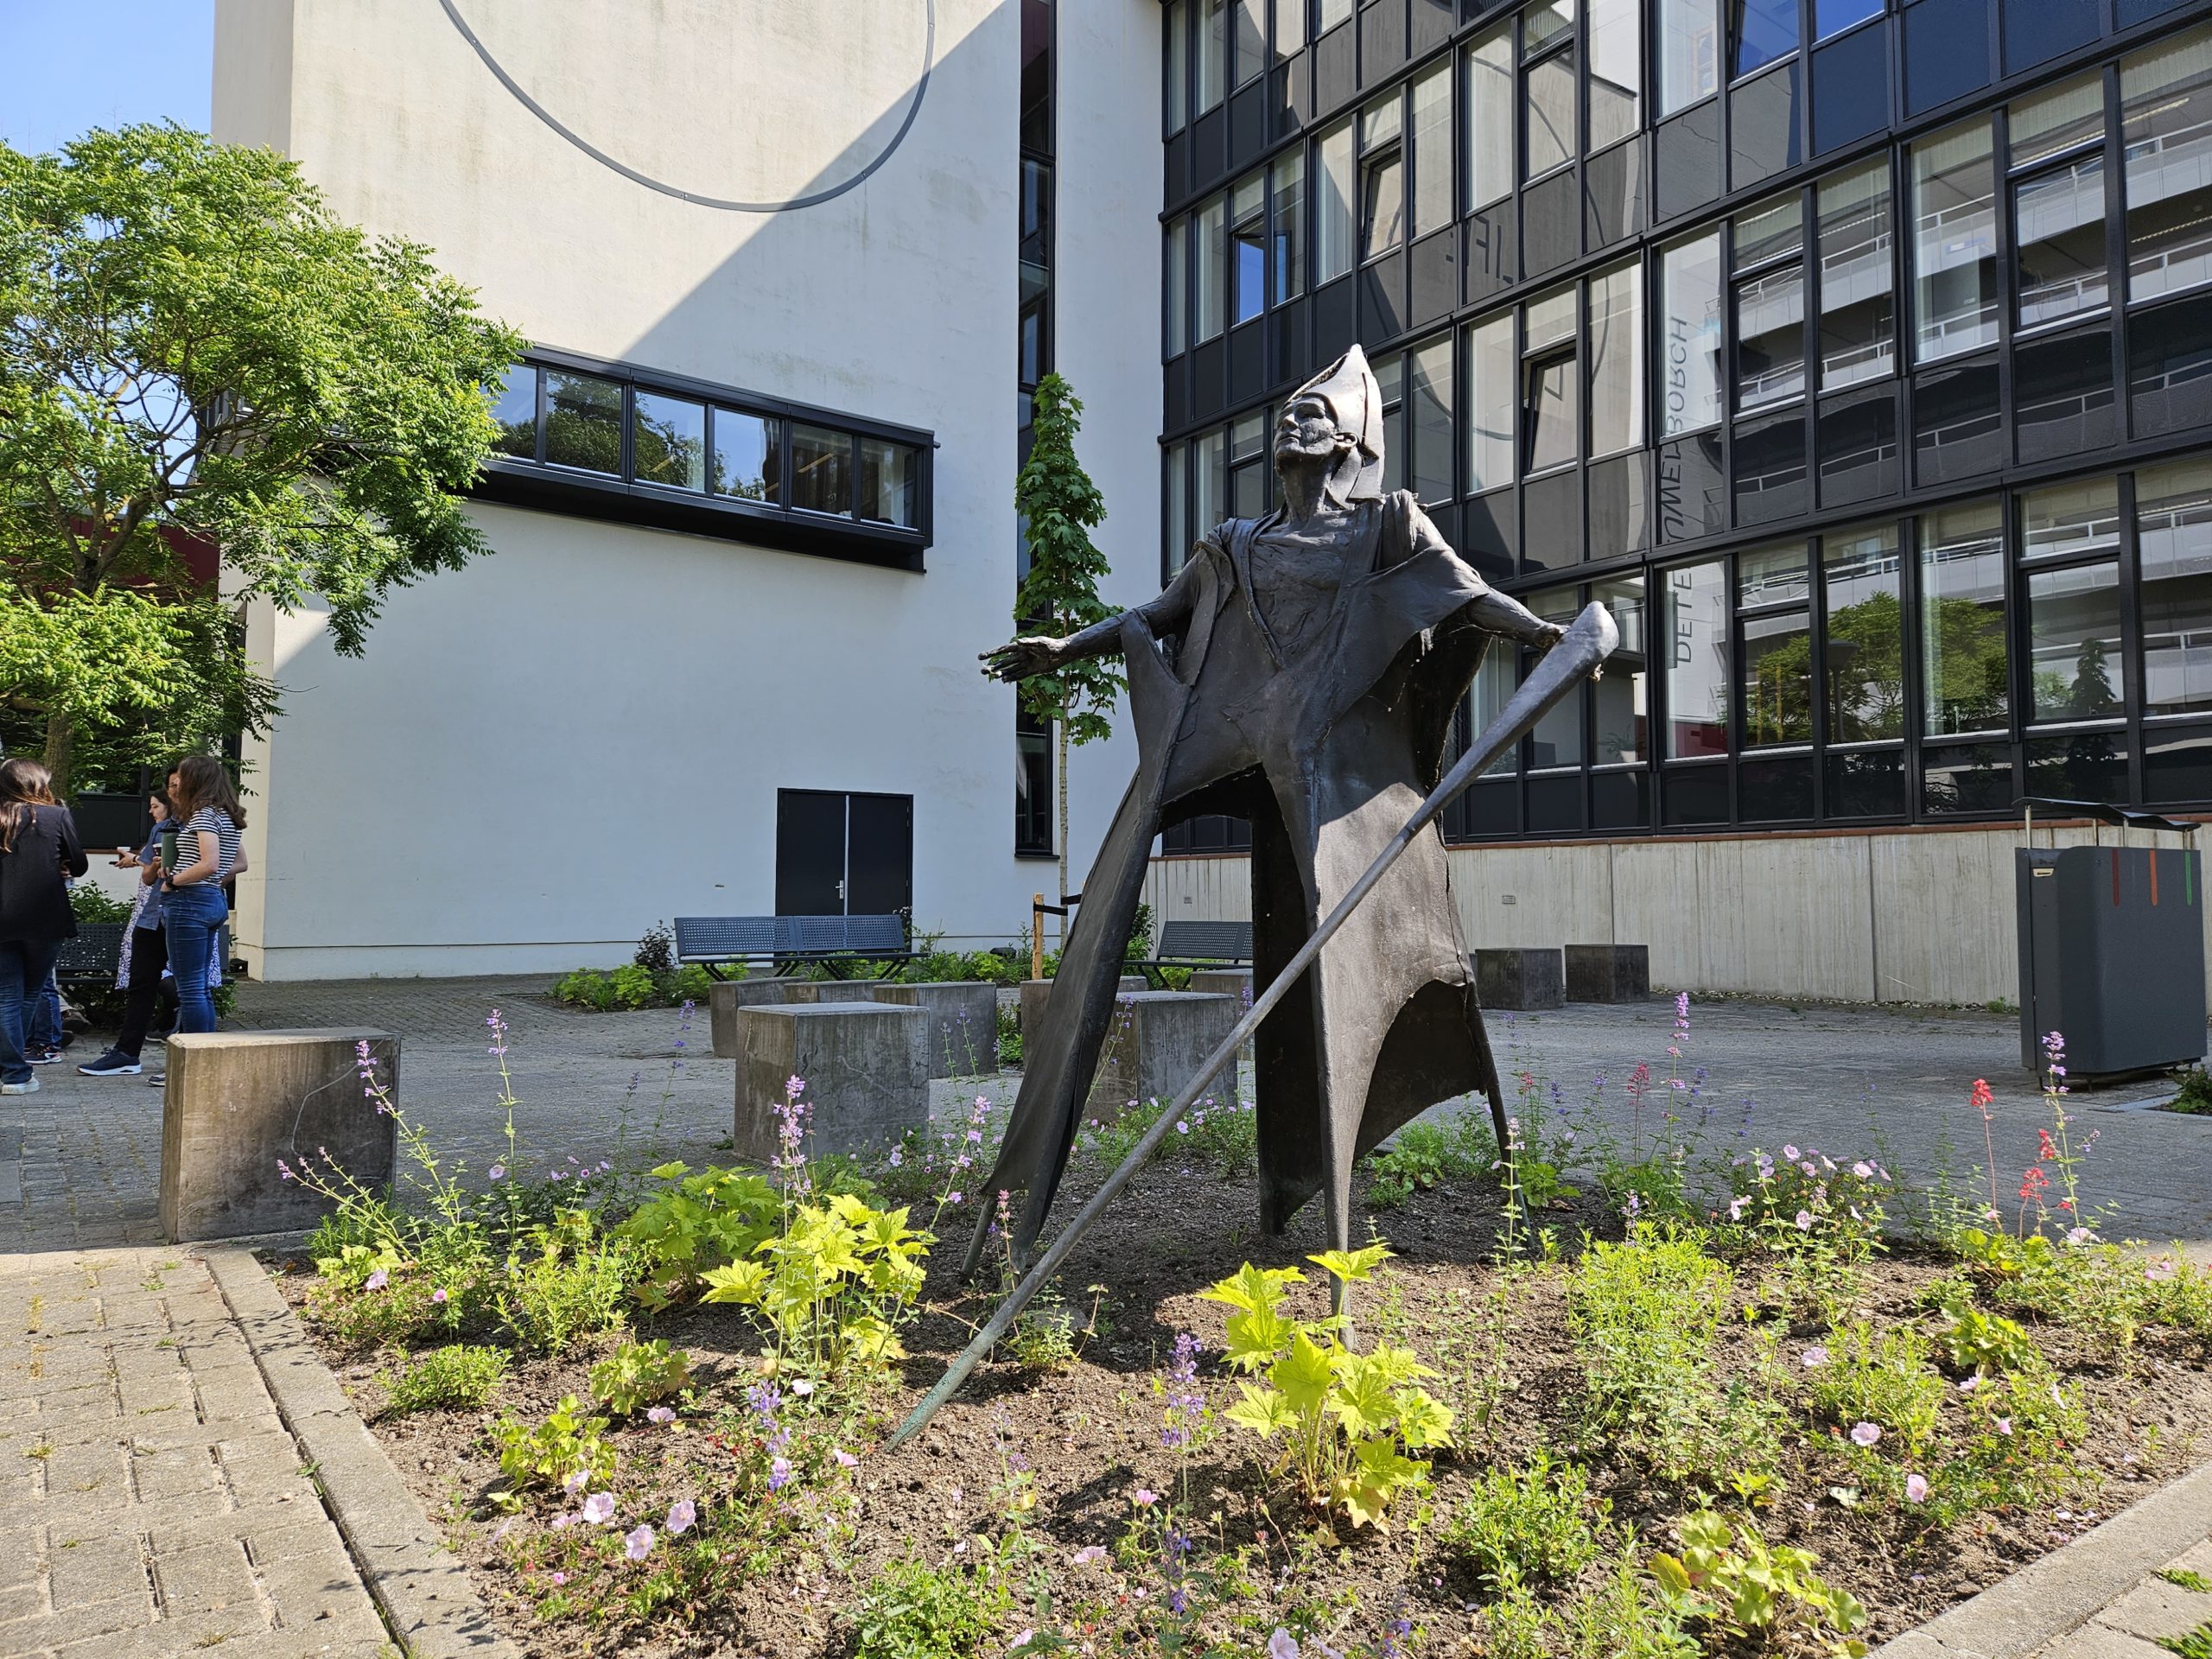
pixel 28 1086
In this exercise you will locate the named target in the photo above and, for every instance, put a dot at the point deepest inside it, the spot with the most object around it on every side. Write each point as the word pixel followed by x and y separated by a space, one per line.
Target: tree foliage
pixel 1059 507
pixel 191 342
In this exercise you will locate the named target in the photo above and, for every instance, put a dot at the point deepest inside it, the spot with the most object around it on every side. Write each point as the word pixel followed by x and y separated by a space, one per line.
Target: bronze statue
pixel 1302 672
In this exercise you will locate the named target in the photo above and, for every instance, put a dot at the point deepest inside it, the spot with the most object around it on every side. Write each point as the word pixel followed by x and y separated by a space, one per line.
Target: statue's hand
pixel 1553 633
pixel 1024 658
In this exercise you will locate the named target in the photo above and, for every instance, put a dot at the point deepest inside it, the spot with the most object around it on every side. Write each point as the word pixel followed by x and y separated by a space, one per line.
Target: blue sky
pixel 68 65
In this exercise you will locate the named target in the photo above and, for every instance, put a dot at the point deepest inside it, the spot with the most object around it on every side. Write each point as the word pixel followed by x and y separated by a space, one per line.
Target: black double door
pixel 843 855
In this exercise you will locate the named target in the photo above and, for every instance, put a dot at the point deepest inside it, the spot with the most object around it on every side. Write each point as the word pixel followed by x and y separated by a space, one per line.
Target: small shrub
pixel 912 1611
pixel 88 904
pixel 2193 1094
pixel 1527 1525
pixel 696 1222
pixel 1623 1619
pixel 1644 1314
pixel 832 1285
pixel 656 952
pixel 1734 1580
pixel 576 1283
pixel 633 986
pixel 638 1374
pixel 568 1446
pixel 1886 1381
pixel 454 1376
pixel 1424 1154
pixel 1009 1037
pixel 1975 1340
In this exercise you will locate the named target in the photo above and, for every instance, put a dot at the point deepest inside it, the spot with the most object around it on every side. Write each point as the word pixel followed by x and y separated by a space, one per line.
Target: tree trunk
pixel 1062 779
pixel 60 739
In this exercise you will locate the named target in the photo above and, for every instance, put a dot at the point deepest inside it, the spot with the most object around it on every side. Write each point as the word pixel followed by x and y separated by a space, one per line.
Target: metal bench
pixel 715 942
pixel 94 954
pixel 1198 945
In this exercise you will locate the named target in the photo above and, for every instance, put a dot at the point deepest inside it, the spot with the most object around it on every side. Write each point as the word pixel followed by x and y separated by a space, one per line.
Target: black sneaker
pixel 45 1056
pixel 112 1065
pixel 157 1079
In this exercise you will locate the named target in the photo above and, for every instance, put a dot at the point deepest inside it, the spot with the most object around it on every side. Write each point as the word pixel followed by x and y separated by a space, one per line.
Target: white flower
pixel 599 1509
pixel 1865 1434
pixel 681 1514
pixel 639 1544
pixel 1815 1358
pixel 1915 1488
pixel 1282 1644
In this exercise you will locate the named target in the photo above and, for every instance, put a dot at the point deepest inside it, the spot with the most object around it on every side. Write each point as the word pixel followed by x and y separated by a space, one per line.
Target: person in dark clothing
pixel 40 854
pixel 144 979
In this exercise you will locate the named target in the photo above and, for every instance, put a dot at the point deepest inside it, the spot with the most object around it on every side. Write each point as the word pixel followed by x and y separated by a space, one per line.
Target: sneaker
pixel 45 1056
pixel 154 1079
pixel 28 1086
pixel 112 1065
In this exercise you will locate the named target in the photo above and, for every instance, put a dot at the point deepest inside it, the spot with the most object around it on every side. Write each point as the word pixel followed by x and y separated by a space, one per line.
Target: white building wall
pixel 540 756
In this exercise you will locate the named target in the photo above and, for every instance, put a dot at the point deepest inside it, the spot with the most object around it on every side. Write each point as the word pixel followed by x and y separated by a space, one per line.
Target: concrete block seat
pixel 726 997
pixel 1035 993
pixel 865 1065
pixel 963 1018
pixel 1608 973
pixel 237 1101
pixel 1521 978
pixel 1154 1044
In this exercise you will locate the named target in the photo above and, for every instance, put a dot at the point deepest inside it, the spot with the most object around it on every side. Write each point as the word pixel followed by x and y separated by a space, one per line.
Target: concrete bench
pixel 865 1065
pixel 1228 981
pixel 1608 973
pixel 963 1017
pixel 1154 1043
pixel 725 998
pixel 237 1101
pixel 1035 993
pixel 1521 978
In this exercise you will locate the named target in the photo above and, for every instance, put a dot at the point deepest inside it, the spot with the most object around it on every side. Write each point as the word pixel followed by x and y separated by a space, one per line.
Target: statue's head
pixel 1335 421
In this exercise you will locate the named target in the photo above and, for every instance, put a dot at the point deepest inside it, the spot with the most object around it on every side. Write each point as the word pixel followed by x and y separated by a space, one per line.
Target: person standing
pixel 40 854
pixel 193 906
pixel 142 975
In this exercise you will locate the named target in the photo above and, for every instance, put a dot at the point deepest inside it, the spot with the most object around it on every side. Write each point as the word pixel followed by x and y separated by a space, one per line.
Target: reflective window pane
pixel 1864 660
pixel 1247 246
pixel 1495 683
pixel 1550 106
pixel 1770 338
pixel 1768 231
pixel 1689 52
pixel 748 455
pixel 1777 679
pixel 1954 242
pixel 1333 221
pixel 1773 575
pixel 2078 766
pixel 1209 483
pixel 1429 426
pixel 2167 126
pixel 2173 531
pixel 2069 520
pixel 1490 118
pixel 1431 141
pixel 1616 360
pixel 1696 644
pixel 1176 508
pixel 1690 334
pixel 2058 228
pixel 1209 297
pixel 822 469
pixel 1288 176
pixel 890 475
pixel 1557 739
pixel 668 440
pixel 1178 286
pixel 1382 203
pixel 1765 32
pixel 1962 653
pixel 1213 51
pixel 1616 69
pixel 1382 122
pixel 1333 12
pixel 583 422
pixel 515 409
pixel 2073 642
pixel 1858 311
pixel 1544 23
pixel 1549 319
pixel 1290 26
pixel 1833 17
pixel 1551 412
pixel 1623 694
pixel 1251 39
pixel 1490 360
pixel 1178 66
pixel 2067 115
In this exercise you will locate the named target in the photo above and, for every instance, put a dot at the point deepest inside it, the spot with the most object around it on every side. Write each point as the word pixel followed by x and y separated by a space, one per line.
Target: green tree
pixel 1059 507
pixel 192 345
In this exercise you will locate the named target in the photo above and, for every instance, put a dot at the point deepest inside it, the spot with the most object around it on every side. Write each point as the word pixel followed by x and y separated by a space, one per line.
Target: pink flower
pixel 575 1484
pixel 1915 1488
pixel 681 1514
pixel 599 1509
pixel 377 1281
pixel 661 1414
pixel 1865 1434
pixel 2004 1425
pixel 1145 1497
pixel 640 1544
pixel 841 1458
pixel 1789 1154
pixel 439 1294
pixel 1282 1644
pixel 1735 1209
pixel 1089 1553
pixel 1804 1221
pixel 1815 1358
pixel 802 1388
pixel 1862 1170
pixel 560 1578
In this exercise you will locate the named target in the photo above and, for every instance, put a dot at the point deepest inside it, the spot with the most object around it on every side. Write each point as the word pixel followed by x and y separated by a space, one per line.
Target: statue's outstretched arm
pixel 1493 612
pixel 1035 654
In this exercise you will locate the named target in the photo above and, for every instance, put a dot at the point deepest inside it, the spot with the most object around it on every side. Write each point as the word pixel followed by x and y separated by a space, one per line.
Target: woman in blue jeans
pixel 39 853
pixel 192 905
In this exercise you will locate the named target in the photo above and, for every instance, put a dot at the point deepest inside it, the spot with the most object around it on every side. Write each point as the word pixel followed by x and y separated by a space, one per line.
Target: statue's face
pixel 1307 431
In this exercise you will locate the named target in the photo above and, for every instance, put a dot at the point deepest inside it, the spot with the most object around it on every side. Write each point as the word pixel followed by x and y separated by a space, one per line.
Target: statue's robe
pixel 1308 686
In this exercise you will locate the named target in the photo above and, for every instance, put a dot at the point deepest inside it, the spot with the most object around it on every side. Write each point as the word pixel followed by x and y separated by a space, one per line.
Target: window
pixel 1689 52
pixel 1864 656
pixel 1616 69
pixel 1858 312
pixel 2173 542
pixel 1550 105
pixel 748 455
pixel 1833 17
pixel 1697 659
pixel 1551 403
pixel 583 422
pixel 1556 741
pixel 1207 297
pixel 1490 118
pixel 1690 334
pixel 1624 710
pixel 2073 642
pixel 1430 404
pixel 1616 360
pixel 1334 12
pixel 668 440
pixel 1033 784
pixel 1248 241
pixel 1213 51
pixel 1176 509
pixel 1432 135
pixel 515 409
pixel 1962 655
pixel 822 463
pixel 1333 219
pixel 1290 26
pixel 2070 521
pixel 1545 22
pixel 1772 589
pixel 1494 685
pixel 1248 466
pixel 1490 404
pixel 1382 176
pixel 1178 286
pixel 1765 31
pixel 2058 212
pixel 1771 305
pixel 2166 127
pixel 2067 116
pixel 1954 242
pixel 1288 177
pixel 890 484
pixel 1209 492
pixel 1390 381
pixel 1178 66
pixel 1251 39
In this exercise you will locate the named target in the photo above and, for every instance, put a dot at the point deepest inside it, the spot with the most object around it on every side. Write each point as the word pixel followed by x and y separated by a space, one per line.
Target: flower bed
pixel 1710 1402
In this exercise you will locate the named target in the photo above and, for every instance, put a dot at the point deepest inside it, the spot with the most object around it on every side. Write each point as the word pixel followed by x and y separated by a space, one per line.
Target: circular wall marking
pixel 812 199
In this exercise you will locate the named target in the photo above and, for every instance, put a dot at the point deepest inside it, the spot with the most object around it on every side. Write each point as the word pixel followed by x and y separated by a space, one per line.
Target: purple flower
pixel 841 1458
pixel 639 1544
pixel 1915 1488
pixel 681 1514
pixel 1145 1497
pixel 1282 1644
pixel 779 1474
pixel 896 1157
pixel 497 1172
pixel 439 1294
pixel 377 1281
pixel 1791 1154
pixel 1804 1221
pixel 663 1414
pixel 1865 1434
pixel 1087 1554
pixel 599 1509
pixel 1815 1358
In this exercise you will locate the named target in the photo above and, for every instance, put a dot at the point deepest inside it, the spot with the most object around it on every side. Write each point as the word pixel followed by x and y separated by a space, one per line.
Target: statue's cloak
pixel 1327 744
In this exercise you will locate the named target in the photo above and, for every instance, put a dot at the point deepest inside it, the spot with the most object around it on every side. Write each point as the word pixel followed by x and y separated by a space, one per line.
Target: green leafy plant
pixel 913 1610
pixel 1886 1380
pixel 1734 1580
pixel 696 1221
pixel 1622 1618
pixel 2191 1645
pixel 832 1285
pixel 1983 1342
pixel 568 1445
pixel 2185 1578
pixel 638 1374
pixel 1348 1419
pixel 574 1282
pixel 2192 1092
pixel 1529 1524
pixel 634 985
pixel 454 1376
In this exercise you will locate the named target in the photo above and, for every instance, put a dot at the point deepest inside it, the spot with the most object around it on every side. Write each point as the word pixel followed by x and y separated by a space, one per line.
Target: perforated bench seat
pixel 1199 945
pixel 713 941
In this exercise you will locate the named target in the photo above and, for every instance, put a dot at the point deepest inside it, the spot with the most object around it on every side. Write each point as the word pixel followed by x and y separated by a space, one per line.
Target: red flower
pixel 2035 1183
pixel 2048 1151
pixel 1981 1097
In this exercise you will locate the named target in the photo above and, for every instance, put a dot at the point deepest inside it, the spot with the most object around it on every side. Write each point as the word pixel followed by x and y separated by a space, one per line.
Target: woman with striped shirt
pixel 192 905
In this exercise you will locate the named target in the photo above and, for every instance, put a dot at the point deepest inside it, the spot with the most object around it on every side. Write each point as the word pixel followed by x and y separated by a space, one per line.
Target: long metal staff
pixel 1581 651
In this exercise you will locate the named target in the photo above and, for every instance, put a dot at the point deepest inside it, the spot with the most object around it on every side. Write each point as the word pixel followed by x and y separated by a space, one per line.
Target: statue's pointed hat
pixel 1349 388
